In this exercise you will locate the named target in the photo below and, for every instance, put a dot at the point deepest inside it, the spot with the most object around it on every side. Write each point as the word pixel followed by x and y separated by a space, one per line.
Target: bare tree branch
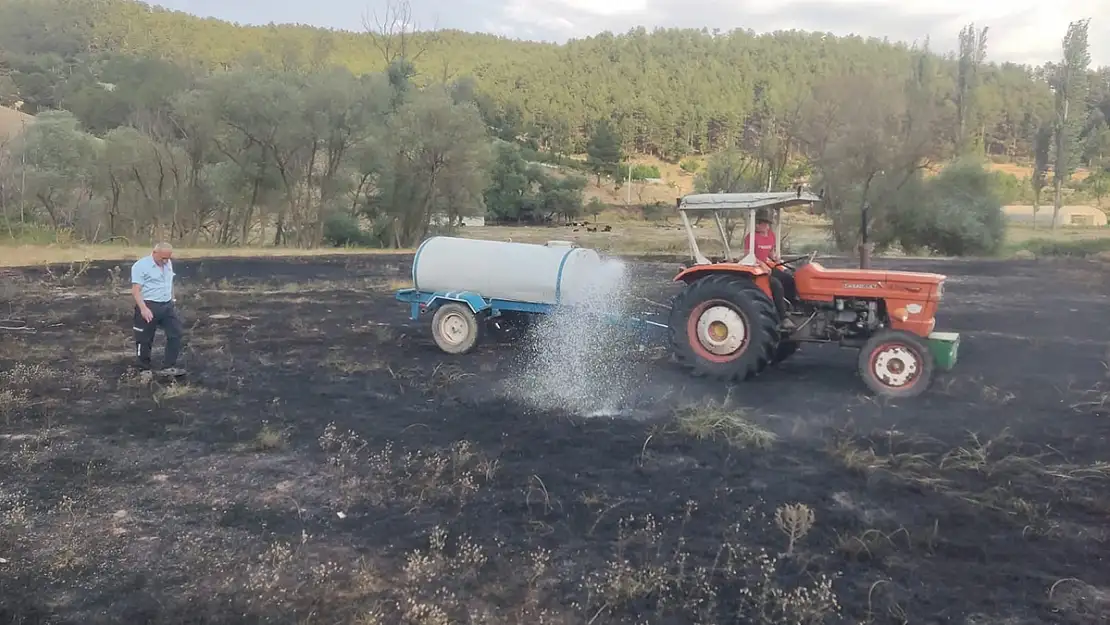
pixel 394 34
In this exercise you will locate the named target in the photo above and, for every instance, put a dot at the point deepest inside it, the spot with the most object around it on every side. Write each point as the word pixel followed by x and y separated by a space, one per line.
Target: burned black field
pixel 324 463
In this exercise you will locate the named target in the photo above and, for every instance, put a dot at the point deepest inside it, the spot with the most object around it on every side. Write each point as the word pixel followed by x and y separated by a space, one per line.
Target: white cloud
pixel 607 8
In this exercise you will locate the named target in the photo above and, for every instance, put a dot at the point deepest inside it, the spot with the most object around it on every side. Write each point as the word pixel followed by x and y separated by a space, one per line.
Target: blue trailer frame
pixel 423 302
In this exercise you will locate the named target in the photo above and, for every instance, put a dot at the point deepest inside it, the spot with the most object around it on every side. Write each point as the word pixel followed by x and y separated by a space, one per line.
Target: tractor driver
pixel 781 281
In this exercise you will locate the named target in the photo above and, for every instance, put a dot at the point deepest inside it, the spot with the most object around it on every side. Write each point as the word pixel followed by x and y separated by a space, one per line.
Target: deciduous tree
pixel 1070 83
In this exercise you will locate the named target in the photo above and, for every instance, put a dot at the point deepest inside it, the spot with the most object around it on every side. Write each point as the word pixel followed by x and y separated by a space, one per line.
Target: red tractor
pixel 725 323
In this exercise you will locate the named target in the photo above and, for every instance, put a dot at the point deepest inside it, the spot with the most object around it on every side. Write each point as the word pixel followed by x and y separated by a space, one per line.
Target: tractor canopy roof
pixel 746 201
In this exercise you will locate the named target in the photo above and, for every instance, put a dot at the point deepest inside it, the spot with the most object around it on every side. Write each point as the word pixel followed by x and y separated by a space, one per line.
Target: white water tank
pixel 522 272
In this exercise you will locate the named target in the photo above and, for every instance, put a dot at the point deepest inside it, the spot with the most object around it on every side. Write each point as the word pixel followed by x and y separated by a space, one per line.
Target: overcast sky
pixel 1024 31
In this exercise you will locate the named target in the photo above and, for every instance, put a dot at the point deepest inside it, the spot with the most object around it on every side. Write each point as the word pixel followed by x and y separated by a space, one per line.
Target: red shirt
pixel 764 245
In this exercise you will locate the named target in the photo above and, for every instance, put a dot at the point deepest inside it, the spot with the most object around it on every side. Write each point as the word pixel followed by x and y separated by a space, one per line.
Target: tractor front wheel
pixel 455 328
pixel 896 364
pixel 724 327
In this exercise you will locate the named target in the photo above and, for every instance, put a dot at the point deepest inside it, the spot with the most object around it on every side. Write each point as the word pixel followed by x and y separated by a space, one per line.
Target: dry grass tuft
pixel 1095 400
pixel 172 391
pixel 1021 483
pixel 450 476
pixel 711 420
pixel 351 366
pixel 454 579
pixel 68 276
pixel 270 438
pixel 1084 602
pixel 441 378
pixel 988 457
pixel 13 402
pixel 857 458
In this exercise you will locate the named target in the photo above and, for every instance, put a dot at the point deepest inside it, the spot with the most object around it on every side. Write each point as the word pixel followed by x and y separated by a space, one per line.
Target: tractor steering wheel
pixel 787 261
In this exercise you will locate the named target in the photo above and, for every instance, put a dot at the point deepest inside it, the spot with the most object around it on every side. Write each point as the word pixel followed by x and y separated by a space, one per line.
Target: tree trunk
pixel 865 250
pixel 865 247
pixel 426 211
pixel 1036 206
pixel 1058 187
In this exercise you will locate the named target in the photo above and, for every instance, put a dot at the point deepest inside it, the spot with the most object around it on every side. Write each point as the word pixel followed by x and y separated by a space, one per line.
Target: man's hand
pixel 137 295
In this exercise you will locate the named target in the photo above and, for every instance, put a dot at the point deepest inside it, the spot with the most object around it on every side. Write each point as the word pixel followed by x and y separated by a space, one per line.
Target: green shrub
pixel 959 213
pixel 342 230
pixel 656 211
pixel 1011 189
pixel 640 172
pixel 643 172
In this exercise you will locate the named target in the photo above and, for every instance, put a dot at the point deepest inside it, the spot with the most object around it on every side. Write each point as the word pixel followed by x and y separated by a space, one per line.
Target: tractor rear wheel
pixel 455 328
pixel 896 364
pixel 725 327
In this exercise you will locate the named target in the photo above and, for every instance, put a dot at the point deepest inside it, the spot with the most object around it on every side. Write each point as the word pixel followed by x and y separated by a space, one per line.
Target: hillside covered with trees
pixel 150 119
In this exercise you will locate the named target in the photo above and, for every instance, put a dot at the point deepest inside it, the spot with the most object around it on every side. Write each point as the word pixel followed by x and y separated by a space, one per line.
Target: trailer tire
pixel 455 328
pixel 735 306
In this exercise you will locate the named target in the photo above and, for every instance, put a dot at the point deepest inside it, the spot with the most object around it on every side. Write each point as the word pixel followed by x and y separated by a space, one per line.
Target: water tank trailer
pixel 467 285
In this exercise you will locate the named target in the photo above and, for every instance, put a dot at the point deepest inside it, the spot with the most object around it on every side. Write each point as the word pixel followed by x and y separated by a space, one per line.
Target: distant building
pixel 1069 217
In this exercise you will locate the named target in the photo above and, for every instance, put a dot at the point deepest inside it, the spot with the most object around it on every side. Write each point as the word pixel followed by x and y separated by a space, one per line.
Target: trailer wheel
pixel 896 364
pixel 455 328
pixel 724 327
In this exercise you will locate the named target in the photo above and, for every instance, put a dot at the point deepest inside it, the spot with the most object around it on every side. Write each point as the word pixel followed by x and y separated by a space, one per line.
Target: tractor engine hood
pixel 891 278
pixel 888 278
pixel 827 284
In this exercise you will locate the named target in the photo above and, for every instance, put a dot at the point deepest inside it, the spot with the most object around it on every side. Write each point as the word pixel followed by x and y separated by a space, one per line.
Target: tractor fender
pixel 758 274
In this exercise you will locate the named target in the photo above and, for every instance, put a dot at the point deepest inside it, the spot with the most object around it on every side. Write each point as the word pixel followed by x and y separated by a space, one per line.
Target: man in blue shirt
pixel 152 289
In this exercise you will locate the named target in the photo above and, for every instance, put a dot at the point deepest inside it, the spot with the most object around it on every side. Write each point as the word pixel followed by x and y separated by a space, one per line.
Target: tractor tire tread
pixel 764 333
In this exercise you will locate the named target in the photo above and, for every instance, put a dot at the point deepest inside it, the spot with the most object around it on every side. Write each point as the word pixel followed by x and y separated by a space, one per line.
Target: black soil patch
pixel 323 462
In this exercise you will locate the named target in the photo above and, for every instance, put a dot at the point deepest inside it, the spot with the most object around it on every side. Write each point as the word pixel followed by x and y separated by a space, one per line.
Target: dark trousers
pixel 165 317
pixel 783 287
pixel 790 288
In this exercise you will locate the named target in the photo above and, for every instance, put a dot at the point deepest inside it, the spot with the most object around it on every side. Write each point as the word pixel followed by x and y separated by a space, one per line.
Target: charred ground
pixel 323 463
